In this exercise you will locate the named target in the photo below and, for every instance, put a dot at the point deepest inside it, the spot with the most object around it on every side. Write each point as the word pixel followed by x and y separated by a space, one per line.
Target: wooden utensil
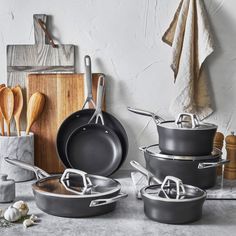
pixel 230 169
pixel 18 106
pixel 1 116
pixel 39 57
pixel 7 106
pixel 34 109
pixel 65 95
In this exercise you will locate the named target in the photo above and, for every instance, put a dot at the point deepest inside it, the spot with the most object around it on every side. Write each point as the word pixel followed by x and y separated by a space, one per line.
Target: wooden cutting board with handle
pixel 41 57
pixel 64 95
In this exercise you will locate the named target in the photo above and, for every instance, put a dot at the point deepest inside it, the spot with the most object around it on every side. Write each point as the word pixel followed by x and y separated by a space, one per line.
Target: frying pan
pixel 82 117
pixel 170 202
pixel 73 193
pixel 94 148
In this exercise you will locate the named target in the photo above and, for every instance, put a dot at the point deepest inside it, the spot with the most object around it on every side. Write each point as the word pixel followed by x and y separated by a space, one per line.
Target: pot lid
pixel 173 190
pixel 187 121
pixel 155 151
pixel 76 184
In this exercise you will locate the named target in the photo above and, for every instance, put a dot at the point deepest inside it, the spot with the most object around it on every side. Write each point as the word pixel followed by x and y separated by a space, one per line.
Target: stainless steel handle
pixel 88 78
pixel 205 165
pixel 143 149
pixel 155 117
pixel 105 201
pixel 40 174
pixel 100 94
pixel 145 172
pixel 179 187
pixel 193 118
pixel 86 181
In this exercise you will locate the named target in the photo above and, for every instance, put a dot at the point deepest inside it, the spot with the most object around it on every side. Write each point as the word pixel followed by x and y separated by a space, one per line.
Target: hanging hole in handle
pixel 87 60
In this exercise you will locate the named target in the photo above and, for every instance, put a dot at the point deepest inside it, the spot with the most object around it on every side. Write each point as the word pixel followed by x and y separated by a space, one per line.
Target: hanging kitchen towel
pixel 191 41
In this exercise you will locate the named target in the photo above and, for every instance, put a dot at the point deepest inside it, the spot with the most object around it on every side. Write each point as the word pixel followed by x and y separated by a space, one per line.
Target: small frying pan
pixel 82 117
pixel 94 148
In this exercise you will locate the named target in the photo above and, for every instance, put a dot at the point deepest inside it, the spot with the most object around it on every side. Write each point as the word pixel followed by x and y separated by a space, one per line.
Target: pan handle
pixel 205 165
pixel 88 78
pixel 100 93
pixel 145 172
pixel 155 117
pixel 106 201
pixel 40 174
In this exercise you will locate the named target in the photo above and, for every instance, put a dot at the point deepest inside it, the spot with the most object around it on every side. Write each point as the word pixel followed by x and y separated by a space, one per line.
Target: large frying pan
pixel 73 193
pixel 94 148
pixel 82 117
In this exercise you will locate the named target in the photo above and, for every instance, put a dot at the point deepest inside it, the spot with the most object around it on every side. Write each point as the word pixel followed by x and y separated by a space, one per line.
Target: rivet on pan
pixel 106 132
pixel 84 129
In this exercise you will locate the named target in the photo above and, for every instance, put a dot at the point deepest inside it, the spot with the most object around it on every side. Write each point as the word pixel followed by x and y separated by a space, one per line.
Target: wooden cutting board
pixel 64 95
pixel 38 58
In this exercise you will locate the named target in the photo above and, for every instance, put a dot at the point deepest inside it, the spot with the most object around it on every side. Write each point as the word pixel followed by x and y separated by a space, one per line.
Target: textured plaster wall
pixel 123 38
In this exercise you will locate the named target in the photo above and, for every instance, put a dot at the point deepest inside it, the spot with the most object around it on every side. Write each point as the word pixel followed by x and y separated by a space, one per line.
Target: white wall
pixel 123 38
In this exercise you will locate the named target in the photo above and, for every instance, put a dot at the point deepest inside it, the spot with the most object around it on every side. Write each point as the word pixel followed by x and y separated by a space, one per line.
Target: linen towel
pixel 192 42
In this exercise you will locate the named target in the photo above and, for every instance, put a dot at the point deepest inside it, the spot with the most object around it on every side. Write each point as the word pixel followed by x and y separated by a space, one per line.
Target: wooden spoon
pixel 34 109
pixel 1 116
pixel 7 106
pixel 18 106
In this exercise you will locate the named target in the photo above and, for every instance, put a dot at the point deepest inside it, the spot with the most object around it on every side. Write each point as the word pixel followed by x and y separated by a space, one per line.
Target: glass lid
pixel 154 150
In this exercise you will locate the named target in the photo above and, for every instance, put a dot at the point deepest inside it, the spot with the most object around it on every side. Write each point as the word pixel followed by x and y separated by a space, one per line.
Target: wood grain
pixel 38 58
pixel 64 95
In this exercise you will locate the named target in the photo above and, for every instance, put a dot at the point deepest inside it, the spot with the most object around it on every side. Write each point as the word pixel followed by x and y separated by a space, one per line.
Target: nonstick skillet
pixel 82 117
pixel 94 148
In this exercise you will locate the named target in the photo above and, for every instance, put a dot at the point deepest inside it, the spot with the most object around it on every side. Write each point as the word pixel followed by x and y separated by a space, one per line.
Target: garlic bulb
pixel 22 207
pixel 27 223
pixel 12 214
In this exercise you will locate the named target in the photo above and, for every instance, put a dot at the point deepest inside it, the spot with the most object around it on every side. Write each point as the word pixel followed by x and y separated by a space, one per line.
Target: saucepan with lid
pixel 185 136
pixel 73 193
pixel 170 202
pixel 200 171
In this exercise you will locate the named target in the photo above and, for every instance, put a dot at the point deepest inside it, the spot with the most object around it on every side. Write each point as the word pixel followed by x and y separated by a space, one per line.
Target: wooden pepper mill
pixel 230 168
pixel 218 143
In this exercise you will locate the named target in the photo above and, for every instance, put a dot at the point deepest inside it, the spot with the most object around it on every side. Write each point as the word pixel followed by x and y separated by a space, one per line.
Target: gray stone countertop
pixel 219 218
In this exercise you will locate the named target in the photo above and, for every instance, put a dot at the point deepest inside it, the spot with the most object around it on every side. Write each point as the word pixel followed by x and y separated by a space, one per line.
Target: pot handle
pixel 155 117
pixel 40 174
pixel 145 172
pixel 106 201
pixel 193 118
pixel 86 181
pixel 205 165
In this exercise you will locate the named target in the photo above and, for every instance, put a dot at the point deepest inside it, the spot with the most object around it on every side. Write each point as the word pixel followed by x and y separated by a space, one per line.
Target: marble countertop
pixel 219 218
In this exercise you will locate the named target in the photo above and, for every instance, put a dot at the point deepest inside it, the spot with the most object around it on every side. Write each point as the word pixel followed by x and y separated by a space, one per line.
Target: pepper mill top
pixel 231 139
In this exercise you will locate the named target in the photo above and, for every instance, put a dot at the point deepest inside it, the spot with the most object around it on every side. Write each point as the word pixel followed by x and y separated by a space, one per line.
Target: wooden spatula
pixel 1 116
pixel 34 109
pixel 7 106
pixel 18 106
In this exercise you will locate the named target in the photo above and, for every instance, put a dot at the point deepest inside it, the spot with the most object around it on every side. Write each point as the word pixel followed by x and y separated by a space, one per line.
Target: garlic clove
pixel 33 218
pixel 27 223
pixel 22 207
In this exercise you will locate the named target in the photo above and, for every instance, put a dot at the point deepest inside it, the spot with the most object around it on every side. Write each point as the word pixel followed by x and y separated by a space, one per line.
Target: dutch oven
pixel 200 171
